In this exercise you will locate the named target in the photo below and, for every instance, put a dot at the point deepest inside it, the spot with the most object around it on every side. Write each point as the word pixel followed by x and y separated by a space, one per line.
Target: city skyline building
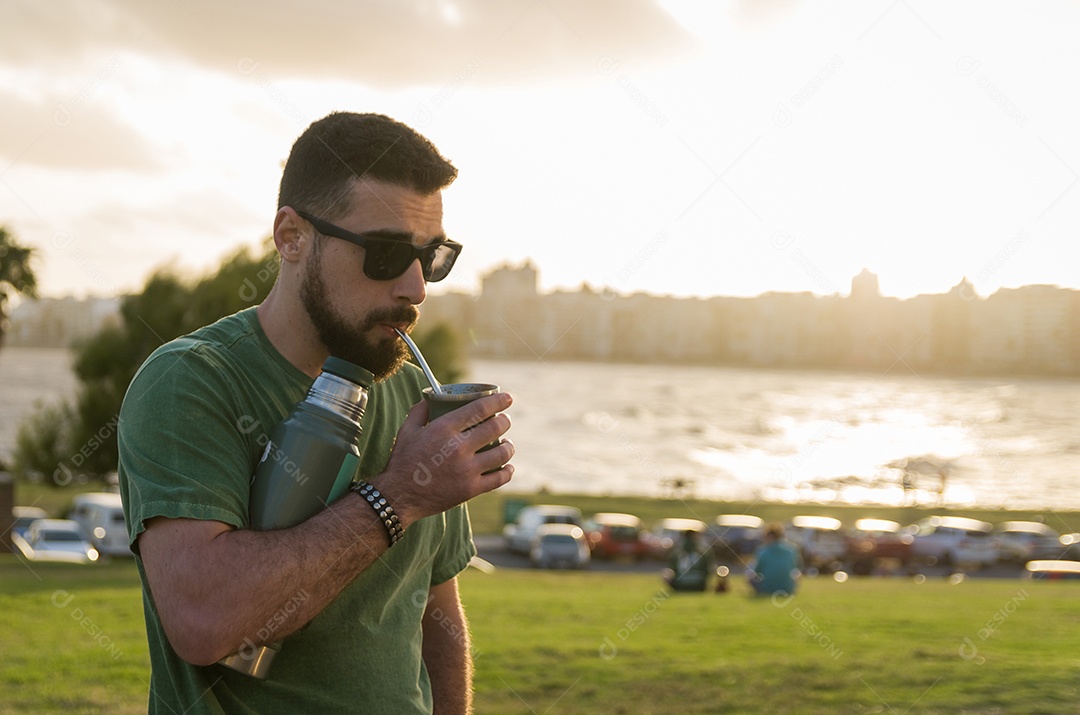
pixel 1033 329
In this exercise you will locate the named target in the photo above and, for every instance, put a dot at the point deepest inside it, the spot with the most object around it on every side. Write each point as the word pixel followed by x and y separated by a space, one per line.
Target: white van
pixel 101 515
pixel 519 535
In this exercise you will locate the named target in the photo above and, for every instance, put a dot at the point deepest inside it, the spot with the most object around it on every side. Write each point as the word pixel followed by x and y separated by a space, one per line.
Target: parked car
pixel 56 540
pixel 1053 569
pixel 820 539
pixel 23 516
pixel 1023 541
pixel 1070 546
pixel 559 546
pixel 954 540
pixel 611 535
pixel 735 535
pixel 874 541
pixel 101 515
pixel 519 535
pixel 666 533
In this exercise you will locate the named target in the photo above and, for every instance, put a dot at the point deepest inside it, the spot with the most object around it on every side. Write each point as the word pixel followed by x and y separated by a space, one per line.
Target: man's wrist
pixel 383 509
pixel 403 503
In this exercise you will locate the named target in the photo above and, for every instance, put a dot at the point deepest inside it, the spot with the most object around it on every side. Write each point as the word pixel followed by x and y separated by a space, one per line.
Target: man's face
pixel 353 315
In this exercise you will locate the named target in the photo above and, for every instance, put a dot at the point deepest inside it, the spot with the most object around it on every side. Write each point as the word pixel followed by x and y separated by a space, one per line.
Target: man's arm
pixel 447 651
pixel 215 587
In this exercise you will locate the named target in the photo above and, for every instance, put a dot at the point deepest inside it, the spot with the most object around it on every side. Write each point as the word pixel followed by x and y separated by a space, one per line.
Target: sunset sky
pixel 686 147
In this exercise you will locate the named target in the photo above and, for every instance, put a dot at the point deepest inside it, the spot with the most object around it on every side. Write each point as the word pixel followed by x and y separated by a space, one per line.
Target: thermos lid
pixel 349 371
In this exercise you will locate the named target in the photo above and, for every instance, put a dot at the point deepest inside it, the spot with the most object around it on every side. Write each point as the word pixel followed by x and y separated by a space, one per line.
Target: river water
pixel 792 435
pixel 745 434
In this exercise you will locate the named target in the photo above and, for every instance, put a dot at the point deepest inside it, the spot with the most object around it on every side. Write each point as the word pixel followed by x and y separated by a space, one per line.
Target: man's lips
pixel 389 320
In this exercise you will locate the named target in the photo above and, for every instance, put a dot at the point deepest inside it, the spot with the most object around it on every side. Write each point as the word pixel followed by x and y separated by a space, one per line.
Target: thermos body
pixel 311 456
pixel 308 463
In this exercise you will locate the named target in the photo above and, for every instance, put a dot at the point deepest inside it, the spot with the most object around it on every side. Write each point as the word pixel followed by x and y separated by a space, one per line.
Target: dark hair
pixel 775 530
pixel 342 147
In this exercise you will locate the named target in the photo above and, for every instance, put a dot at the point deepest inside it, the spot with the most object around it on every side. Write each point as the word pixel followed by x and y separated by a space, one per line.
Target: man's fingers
pixel 490 430
pixel 477 411
pixel 493 480
pixel 497 457
pixel 417 417
pixel 469 432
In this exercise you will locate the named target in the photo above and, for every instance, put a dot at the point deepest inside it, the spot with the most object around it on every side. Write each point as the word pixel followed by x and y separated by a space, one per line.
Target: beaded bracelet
pixel 382 507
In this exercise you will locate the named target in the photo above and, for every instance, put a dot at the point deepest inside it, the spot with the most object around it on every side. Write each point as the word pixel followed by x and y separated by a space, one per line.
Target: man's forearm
pixel 448 651
pixel 244 580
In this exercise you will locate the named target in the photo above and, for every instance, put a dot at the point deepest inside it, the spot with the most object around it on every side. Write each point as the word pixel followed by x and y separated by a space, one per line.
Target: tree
pixel 42 437
pixel 76 441
pixel 16 274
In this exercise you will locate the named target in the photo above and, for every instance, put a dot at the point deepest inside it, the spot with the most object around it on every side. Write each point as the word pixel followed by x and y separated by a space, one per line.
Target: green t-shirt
pixel 194 423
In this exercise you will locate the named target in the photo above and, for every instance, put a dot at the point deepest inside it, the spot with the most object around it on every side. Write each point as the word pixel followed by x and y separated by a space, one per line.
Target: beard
pixel 349 340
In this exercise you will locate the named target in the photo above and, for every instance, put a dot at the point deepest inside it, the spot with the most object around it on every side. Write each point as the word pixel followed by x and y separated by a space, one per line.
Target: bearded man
pixel 362 627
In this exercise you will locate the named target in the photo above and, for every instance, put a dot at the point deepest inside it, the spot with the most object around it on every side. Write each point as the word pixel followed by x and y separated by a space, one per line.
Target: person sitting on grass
pixel 690 564
pixel 777 564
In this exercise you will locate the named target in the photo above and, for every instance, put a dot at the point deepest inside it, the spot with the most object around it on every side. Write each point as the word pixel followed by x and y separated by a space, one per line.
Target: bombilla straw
pixel 435 386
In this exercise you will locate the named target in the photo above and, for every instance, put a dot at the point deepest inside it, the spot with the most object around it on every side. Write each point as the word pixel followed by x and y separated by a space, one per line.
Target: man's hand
pixel 436 466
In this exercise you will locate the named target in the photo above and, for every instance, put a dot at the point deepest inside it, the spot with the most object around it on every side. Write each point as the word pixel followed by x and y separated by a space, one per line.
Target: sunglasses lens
pixel 384 260
pixel 437 262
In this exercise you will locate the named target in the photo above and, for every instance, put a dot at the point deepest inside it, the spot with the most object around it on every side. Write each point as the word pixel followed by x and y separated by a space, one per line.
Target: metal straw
pixel 435 386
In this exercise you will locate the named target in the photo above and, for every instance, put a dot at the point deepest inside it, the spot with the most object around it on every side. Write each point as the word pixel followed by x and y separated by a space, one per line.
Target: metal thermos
pixel 310 460
pixel 312 457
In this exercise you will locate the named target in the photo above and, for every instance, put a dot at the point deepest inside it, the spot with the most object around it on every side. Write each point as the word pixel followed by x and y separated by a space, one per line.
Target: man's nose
pixel 411 285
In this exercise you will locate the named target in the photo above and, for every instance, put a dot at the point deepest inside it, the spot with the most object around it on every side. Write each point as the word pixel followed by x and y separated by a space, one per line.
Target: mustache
pixel 408 314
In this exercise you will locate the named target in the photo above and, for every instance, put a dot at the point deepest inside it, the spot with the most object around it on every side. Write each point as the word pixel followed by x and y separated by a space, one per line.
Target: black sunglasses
pixel 388 254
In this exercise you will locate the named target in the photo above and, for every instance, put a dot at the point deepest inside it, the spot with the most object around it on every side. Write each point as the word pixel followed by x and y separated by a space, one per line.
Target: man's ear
pixel 290 234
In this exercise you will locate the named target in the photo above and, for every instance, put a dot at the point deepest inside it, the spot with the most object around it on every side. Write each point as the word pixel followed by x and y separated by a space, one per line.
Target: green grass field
pixel 74 639
pixel 550 642
pixel 583 643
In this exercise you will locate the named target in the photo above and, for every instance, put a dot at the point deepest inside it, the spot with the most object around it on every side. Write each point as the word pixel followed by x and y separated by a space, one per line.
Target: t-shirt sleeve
pixel 182 441
pixel 457 547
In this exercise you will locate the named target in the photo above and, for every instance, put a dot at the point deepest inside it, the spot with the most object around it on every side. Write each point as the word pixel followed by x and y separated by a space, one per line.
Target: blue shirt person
pixel 776 565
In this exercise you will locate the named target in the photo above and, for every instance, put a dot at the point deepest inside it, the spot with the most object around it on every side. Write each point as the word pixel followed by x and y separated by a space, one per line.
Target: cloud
pixel 374 43
pixel 755 13
pixel 69 134
pixel 116 243
pixel 202 215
